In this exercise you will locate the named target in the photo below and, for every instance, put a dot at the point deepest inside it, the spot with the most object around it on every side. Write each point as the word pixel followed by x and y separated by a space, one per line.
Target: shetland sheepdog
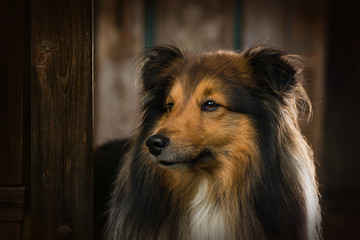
pixel 219 153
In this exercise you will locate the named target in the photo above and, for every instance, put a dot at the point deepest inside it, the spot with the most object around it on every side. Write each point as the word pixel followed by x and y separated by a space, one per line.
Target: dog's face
pixel 199 128
pixel 208 106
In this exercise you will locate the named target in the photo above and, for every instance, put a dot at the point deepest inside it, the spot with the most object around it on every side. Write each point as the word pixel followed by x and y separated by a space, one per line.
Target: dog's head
pixel 200 110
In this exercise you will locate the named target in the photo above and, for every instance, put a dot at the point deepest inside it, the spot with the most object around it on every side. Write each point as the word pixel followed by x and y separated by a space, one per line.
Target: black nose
pixel 156 144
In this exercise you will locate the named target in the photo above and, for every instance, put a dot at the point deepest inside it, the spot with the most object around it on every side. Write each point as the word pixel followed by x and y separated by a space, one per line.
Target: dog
pixel 219 153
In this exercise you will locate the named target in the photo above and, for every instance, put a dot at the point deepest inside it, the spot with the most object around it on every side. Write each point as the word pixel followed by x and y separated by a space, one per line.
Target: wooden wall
pixel 119 38
pixel 341 155
pixel 46 100
pixel 61 119
pixel 13 72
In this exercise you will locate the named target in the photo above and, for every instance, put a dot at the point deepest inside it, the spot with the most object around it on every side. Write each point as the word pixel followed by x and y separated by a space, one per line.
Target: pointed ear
pixel 155 63
pixel 273 70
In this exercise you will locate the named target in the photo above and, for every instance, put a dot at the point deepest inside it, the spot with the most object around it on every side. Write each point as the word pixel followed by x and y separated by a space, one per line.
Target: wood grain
pixel 10 230
pixel 61 118
pixel 11 89
pixel 13 74
pixel 12 203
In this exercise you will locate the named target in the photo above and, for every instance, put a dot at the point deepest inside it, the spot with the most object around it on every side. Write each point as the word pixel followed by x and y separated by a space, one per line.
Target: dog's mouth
pixel 167 163
pixel 204 156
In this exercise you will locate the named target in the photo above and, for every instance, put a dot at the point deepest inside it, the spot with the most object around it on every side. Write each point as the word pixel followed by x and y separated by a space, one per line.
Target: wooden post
pixel 13 72
pixel 61 119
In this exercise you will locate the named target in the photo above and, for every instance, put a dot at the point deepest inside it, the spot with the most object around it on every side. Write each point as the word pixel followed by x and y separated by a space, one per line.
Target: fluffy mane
pixel 262 187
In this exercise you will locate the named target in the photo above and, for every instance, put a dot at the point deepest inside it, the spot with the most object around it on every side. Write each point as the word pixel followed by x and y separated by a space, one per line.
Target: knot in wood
pixel 63 232
pixel 41 59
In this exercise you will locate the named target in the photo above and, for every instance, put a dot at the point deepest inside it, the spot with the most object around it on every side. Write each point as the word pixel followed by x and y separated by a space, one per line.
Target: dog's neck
pixel 207 217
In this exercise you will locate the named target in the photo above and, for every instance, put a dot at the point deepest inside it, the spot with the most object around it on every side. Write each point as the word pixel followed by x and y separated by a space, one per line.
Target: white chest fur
pixel 206 219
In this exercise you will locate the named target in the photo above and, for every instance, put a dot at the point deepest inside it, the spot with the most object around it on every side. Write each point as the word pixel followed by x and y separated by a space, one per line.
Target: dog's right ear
pixel 155 64
pixel 275 71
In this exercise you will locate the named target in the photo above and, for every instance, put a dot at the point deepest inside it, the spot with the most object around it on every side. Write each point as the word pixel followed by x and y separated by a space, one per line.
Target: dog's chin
pixel 174 162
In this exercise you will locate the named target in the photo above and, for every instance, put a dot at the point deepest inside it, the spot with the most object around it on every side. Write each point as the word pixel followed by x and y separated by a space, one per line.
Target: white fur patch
pixel 207 220
pixel 313 208
pixel 311 200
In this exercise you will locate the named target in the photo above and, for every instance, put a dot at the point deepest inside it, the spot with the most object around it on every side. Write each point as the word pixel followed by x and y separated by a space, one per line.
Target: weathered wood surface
pixel 11 203
pixel 10 230
pixel 11 91
pixel 61 119
pixel 13 54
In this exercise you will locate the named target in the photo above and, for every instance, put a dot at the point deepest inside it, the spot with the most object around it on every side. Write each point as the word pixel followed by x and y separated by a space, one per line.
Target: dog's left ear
pixel 156 61
pixel 273 70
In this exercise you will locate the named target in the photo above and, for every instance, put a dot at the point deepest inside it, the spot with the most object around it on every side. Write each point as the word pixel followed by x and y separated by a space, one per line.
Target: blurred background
pixel 326 32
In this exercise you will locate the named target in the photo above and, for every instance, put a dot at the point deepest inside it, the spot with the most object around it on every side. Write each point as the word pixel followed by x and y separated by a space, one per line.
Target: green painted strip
pixel 237 24
pixel 149 23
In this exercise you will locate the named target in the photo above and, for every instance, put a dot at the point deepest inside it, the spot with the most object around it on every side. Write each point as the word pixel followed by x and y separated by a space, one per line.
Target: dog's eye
pixel 209 105
pixel 169 107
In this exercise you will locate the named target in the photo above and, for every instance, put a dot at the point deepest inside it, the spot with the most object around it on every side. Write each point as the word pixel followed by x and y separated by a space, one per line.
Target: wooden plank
pixel 12 203
pixel 10 230
pixel 119 39
pixel 61 119
pixel 12 76
pixel 195 25
pixel 340 184
pixel 11 89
